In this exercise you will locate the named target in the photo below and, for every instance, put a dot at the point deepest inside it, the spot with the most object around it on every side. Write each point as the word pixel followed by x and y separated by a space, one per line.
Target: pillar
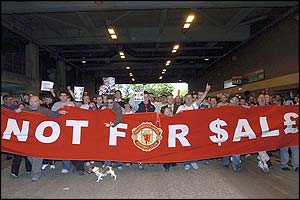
pixel 32 67
pixel 60 75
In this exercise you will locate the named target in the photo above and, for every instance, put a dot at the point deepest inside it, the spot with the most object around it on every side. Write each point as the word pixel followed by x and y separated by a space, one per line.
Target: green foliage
pixel 184 92
pixel 157 89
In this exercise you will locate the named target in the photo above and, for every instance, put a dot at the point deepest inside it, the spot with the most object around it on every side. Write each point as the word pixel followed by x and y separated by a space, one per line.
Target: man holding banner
pixel 63 102
pixel 34 106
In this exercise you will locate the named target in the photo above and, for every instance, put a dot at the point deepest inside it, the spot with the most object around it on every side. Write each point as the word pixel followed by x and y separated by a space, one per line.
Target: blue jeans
pixel 108 163
pixel 206 162
pixel 189 162
pixel 45 161
pixel 284 156
pixel 66 164
pixel 235 160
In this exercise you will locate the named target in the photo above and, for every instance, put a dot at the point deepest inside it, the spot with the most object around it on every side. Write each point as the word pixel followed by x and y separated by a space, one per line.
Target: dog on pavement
pixel 103 171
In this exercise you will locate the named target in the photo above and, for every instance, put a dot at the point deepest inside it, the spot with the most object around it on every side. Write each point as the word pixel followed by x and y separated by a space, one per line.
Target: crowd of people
pixel 49 103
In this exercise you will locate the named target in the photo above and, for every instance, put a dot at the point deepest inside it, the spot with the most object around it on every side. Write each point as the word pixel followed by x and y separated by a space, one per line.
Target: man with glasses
pixel 114 106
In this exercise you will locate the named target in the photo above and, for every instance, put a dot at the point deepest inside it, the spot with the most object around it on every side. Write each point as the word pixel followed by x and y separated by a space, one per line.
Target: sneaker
pixel 52 166
pixel 120 167
pixel 128 165
pixel 296 169
pixel 195 165
pixel 236 168
pixel 285 168
pixel 187 167
pixel 34 179
pixel 64 171
pixel 44 166
pixel 14 175
pixel 141 167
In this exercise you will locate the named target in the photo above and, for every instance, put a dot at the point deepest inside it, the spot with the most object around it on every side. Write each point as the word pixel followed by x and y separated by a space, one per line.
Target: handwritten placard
pixel 78 93
pixel 46 85
pixel 139 94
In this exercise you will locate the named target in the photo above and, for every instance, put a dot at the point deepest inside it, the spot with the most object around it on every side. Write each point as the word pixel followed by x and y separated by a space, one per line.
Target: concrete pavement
pixel 209 181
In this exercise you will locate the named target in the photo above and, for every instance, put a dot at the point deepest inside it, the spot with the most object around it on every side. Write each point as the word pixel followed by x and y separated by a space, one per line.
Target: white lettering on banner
pixel 176 131
pixel 77 124
pixel 39 132
pixel 181 136
pixel 289 123
pixel 265 128
pixel 12 127
pixel 114 133
pixel 238 134
pixel 222 134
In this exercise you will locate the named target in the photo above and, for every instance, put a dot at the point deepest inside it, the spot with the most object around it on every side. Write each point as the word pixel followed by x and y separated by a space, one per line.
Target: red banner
pixel 150 137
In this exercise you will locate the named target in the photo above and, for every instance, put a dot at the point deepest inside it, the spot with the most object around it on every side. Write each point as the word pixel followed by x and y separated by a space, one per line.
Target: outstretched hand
pixel 107 124
pixel 18 110
pixel 208 87
pixel 62 112
pixel 110 124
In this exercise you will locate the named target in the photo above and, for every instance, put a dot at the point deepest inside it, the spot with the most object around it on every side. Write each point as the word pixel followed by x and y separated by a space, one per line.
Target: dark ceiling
pixel 146 31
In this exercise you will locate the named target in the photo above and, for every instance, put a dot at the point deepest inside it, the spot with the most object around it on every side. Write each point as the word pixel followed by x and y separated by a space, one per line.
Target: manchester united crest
pixel 146 136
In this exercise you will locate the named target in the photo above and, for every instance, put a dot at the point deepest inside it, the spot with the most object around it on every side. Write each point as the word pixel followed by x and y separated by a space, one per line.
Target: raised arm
pixel 70 92
pixel 202 97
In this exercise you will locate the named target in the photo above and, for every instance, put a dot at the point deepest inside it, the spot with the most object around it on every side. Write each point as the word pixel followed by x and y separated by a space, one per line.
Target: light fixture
pixel 179 80
pixel 174 51
pixel 164 70
pixel 114 37
pixel 111 31
pixel 160 77
pixel 168 62
pixel 133 79
pixel 83 61
pixel 121 53
pixel 186 25
pixel 207 59
pixel 130 74
pixel 176 46
pixel 127 67
pixel 190 18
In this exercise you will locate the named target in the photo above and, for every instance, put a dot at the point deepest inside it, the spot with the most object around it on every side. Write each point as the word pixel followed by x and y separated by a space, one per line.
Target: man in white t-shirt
pixel 189 105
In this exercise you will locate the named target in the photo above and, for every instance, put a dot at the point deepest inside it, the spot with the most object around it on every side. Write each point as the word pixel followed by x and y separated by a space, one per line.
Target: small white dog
pixel 103 171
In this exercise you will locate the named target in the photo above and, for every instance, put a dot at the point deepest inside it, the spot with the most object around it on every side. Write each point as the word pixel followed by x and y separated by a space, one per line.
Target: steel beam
pixel 13 7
